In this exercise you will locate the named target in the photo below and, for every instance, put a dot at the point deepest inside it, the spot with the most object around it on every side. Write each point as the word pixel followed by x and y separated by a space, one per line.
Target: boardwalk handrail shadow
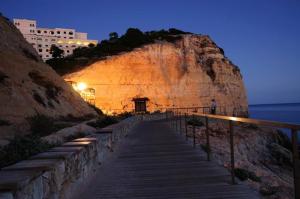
pixel 176 115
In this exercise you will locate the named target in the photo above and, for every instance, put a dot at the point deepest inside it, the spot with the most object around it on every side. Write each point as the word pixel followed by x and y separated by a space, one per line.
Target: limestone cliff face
pixel 28 86
pixel 189 72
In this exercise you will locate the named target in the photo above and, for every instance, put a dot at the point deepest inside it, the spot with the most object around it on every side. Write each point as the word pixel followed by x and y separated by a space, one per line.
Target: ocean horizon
pixel 282 112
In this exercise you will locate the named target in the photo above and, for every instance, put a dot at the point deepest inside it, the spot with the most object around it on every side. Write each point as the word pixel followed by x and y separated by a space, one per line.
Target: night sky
pixel 262 37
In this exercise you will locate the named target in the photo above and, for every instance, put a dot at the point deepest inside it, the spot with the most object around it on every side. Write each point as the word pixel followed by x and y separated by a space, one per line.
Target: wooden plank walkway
pixel 155 162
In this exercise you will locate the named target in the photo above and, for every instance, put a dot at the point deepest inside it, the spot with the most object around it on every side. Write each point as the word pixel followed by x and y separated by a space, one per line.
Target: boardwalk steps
pixel 155 162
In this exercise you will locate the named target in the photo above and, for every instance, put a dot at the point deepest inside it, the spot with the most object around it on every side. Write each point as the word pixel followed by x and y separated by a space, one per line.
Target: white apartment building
pixel 43 38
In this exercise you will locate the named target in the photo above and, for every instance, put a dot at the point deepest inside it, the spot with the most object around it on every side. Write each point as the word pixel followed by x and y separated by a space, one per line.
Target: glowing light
pixel 81 86
pixel 78 42
pixel 59 41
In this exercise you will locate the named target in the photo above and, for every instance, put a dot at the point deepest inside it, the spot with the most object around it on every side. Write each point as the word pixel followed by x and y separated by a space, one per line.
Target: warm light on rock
pixel 190 72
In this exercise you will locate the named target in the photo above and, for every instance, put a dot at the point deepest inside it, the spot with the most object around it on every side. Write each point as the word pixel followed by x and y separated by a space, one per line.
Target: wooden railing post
pixel 231 151
pixel 180 127
pixel 296 163
pixel 194 136
pixel 207 139
pixel 175 120
pixel 186 126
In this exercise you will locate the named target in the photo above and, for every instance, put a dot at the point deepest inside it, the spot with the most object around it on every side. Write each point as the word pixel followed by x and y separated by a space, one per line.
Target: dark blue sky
pixel 262 37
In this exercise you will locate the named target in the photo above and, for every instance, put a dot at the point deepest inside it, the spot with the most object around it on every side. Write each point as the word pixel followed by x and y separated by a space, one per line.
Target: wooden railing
pixel 176 115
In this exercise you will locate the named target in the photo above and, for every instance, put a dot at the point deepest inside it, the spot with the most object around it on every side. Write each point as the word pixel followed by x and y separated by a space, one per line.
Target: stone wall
pixel 57 172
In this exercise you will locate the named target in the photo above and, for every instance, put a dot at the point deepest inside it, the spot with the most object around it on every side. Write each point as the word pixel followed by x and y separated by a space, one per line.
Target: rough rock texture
pixel 189 72
pixel 28 86
pixel 260 150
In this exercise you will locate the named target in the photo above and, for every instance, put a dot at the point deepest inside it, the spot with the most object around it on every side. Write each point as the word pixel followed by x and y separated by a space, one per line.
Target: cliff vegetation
pixel 133 38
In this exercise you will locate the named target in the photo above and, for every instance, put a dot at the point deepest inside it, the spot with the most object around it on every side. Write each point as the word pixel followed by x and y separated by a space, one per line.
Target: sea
pixel 288 112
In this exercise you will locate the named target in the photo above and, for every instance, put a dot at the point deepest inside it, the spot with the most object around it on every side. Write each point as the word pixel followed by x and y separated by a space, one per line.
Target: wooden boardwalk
pixel 155 162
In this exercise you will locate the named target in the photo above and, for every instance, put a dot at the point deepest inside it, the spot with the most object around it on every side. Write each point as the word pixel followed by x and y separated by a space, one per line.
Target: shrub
pixel 41 125
pixel 244 174
pixel 124 115
pixel 103 122
pixel 4 123
pixel 195 122
pixel 2 77
pixel 205 148
pixel 21 148
pixel 98 110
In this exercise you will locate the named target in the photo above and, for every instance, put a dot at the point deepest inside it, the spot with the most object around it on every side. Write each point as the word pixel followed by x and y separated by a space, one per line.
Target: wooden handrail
pixel 252 121
pixel 173 114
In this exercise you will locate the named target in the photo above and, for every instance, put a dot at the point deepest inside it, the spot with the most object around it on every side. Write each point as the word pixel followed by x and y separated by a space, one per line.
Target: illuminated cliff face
pixel 187 73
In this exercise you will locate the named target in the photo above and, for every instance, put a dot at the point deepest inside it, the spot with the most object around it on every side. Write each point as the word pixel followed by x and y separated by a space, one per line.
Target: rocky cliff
pixel 263 157
pixel 28 86
pixel 188 72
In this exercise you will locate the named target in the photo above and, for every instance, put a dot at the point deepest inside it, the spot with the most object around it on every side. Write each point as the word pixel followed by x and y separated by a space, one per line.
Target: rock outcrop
pixel 263 151
pixel 28 86
pixel 189 72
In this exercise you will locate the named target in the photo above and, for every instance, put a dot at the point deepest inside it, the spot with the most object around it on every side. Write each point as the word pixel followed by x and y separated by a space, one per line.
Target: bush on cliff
pixel 103 121
pixel 195 121
pixel 21 148
pixel 244 174
pixel 133 38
